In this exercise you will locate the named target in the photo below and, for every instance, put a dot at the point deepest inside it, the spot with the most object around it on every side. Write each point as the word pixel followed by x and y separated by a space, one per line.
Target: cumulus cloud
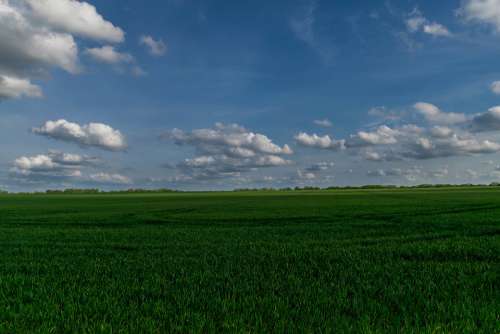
pixel 69 159
pixel 35 163
pixel 481 122
pixel 93 134
pixel 39 35
pixel 441 132
pixel 417 22
pixel 436 29
pixel 495 87
pixel 372 156
pixel 434 115
pixel 413 142
pixel 446 135
pixel 383 135
pixel 76 17
pixel 27 47
pixel 488 121
pixel 108 54
pixel 13 88
pixel 110 178
pixel 322 142
pixel 231 139
pixel 425 148
pixel 457 135
pixel 325 123
pixel 305 175
pixel 155 47
pixel 227 150
pixel 52 161
pixel 54 165
pixel 481 11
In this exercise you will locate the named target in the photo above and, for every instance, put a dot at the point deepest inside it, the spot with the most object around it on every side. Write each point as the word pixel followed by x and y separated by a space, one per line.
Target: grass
pixel 360 261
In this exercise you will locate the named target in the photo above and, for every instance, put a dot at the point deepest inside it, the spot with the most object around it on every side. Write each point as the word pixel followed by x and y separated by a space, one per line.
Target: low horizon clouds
pixel 227 150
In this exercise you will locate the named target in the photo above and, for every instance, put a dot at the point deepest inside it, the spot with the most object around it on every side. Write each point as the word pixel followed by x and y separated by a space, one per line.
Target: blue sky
pixel 216 94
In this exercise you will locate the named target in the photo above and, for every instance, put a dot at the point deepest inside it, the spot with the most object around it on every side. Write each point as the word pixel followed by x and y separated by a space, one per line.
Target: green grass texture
pixel 344 261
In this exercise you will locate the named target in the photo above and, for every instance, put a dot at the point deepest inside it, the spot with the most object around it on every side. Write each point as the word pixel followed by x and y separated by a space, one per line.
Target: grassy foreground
pixel 380 261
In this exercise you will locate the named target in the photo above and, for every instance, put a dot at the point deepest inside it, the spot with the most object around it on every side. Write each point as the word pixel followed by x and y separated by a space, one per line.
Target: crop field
pixel 346 261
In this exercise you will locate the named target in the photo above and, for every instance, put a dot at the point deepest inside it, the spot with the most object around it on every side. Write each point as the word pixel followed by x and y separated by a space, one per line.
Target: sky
pixel 209 95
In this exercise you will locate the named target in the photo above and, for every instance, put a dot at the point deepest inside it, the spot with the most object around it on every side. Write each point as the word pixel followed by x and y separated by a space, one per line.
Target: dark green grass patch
pixel 372 261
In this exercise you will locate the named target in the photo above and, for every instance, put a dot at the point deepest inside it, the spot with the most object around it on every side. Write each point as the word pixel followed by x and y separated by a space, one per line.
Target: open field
pixel 371 261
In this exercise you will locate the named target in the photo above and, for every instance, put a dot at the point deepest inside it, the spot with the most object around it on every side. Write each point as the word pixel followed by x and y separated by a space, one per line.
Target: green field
pixel 355 261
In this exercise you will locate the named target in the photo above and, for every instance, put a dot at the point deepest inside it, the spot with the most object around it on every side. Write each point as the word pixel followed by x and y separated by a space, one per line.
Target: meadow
pixel 343 261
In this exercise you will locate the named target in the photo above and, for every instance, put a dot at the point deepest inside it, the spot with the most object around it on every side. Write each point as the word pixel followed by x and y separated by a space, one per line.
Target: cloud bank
pixel 227 150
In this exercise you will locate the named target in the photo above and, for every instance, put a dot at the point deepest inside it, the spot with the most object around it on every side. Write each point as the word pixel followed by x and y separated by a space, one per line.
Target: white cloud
pixel 306 175
pixel 411 142
pixel 436 29
pixel 35 163
pixel 76 17
pixel 110 178
pixel 37 36
pixel 458 136
pixel 69 159
pixel 425 148
pixel 383 135
pixel 108 54
pixel 53 166
pixel 93 134
pixel 434 115
pixel 488 121
pixel 271 161
pixel 26 47
pixel 322 142
pixel 481 11
pixel 417 22
pixel 227 151
pixel 57 167
pixel 12 87
pixel 441 132
pixel 228 139
pixel 372 156
pixel 326 123
pixel 156 47
pixel 495 87
pixel 52 161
